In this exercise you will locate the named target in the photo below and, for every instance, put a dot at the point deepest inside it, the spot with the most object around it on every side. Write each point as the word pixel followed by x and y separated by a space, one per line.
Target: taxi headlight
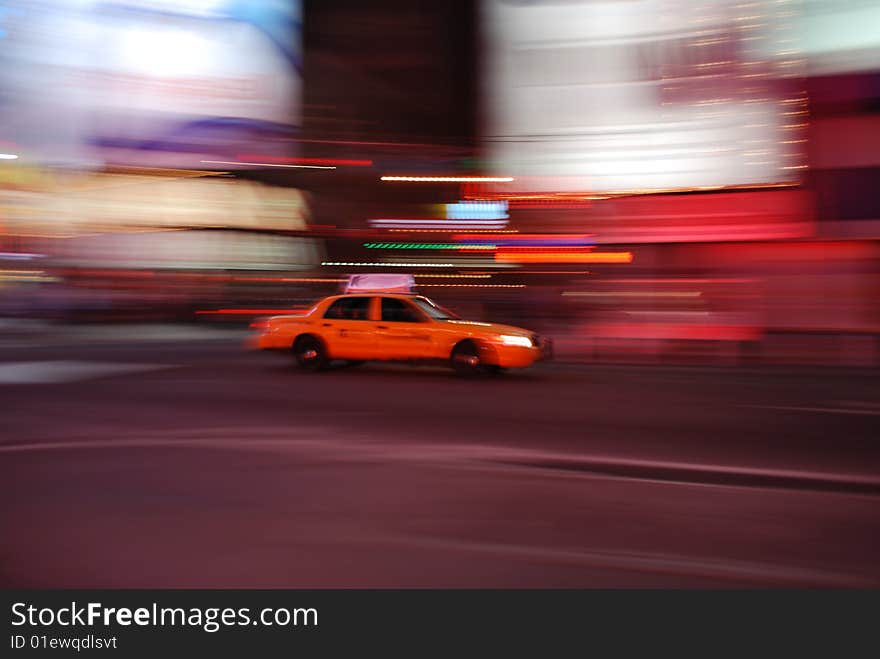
pixel 513 340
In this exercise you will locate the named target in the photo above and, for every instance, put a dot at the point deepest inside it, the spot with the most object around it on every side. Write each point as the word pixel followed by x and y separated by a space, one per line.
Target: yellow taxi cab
pixel 381 319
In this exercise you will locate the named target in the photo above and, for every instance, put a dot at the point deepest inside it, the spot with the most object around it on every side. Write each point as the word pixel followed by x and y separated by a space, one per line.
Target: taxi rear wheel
pixel 310 354
pixel 466 360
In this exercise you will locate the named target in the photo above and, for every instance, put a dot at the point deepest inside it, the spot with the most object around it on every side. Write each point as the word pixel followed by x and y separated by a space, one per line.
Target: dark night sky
pixel 397 70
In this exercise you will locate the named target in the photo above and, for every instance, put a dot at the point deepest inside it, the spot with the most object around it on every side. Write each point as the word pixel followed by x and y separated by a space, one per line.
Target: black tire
pixel 310 353
pixel 352 363
pixel 466 360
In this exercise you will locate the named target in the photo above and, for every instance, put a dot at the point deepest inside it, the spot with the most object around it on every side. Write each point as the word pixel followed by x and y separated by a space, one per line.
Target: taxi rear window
pixel 349 308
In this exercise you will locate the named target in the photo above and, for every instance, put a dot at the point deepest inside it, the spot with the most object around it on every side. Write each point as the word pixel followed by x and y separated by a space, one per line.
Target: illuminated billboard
pixel 163 83
pixel 840 36
pixel 643 95
pixel 59 204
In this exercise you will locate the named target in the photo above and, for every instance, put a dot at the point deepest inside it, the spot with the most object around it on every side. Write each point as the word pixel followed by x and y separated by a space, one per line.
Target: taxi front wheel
pixel 310 353
pixel 466 360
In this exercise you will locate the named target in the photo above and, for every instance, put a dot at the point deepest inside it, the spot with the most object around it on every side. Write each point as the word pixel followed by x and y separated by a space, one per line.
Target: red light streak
pixel 544 256
pixel 548 249
pixel 250 312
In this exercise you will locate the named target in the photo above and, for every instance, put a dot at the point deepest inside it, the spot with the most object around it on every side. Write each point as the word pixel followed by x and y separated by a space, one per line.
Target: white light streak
pixel 267 164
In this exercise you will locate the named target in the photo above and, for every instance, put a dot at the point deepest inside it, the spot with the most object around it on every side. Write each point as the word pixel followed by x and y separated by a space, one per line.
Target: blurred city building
pixel 685 179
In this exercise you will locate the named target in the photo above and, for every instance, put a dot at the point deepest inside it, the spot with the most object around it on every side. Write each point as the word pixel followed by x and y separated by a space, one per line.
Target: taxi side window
pixel 349 308
pixel 398 311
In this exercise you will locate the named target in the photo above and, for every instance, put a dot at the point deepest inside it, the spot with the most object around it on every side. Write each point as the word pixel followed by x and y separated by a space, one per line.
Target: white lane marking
pixel 58 371
pixel 342 445
pixel 312 439
pixel 274 444
pixel 864 404
pixel 821 410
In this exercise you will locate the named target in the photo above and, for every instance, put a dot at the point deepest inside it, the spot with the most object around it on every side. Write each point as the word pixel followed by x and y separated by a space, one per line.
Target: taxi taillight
pixel 260 323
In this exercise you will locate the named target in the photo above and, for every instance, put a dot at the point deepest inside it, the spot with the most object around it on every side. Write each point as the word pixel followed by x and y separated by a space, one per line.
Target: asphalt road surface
pixel 198 464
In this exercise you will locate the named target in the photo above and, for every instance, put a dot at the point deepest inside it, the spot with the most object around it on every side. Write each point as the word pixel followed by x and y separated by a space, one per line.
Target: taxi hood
pixel 490 328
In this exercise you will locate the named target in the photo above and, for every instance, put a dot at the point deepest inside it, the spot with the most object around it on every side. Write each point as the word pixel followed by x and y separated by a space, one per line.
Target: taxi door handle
pixel 381 326
pixel 327 324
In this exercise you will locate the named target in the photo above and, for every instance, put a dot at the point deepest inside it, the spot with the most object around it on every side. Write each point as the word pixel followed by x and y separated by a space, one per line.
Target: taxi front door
pixel 402 332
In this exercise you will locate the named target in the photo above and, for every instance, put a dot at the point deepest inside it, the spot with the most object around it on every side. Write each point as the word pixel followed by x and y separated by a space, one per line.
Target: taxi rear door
pixel 347 328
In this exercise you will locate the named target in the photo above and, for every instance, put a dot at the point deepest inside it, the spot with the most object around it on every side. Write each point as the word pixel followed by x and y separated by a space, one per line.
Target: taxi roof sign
pixel 380 283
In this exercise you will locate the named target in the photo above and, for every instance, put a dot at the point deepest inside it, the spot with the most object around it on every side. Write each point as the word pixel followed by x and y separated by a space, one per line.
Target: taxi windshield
pixel 433 310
